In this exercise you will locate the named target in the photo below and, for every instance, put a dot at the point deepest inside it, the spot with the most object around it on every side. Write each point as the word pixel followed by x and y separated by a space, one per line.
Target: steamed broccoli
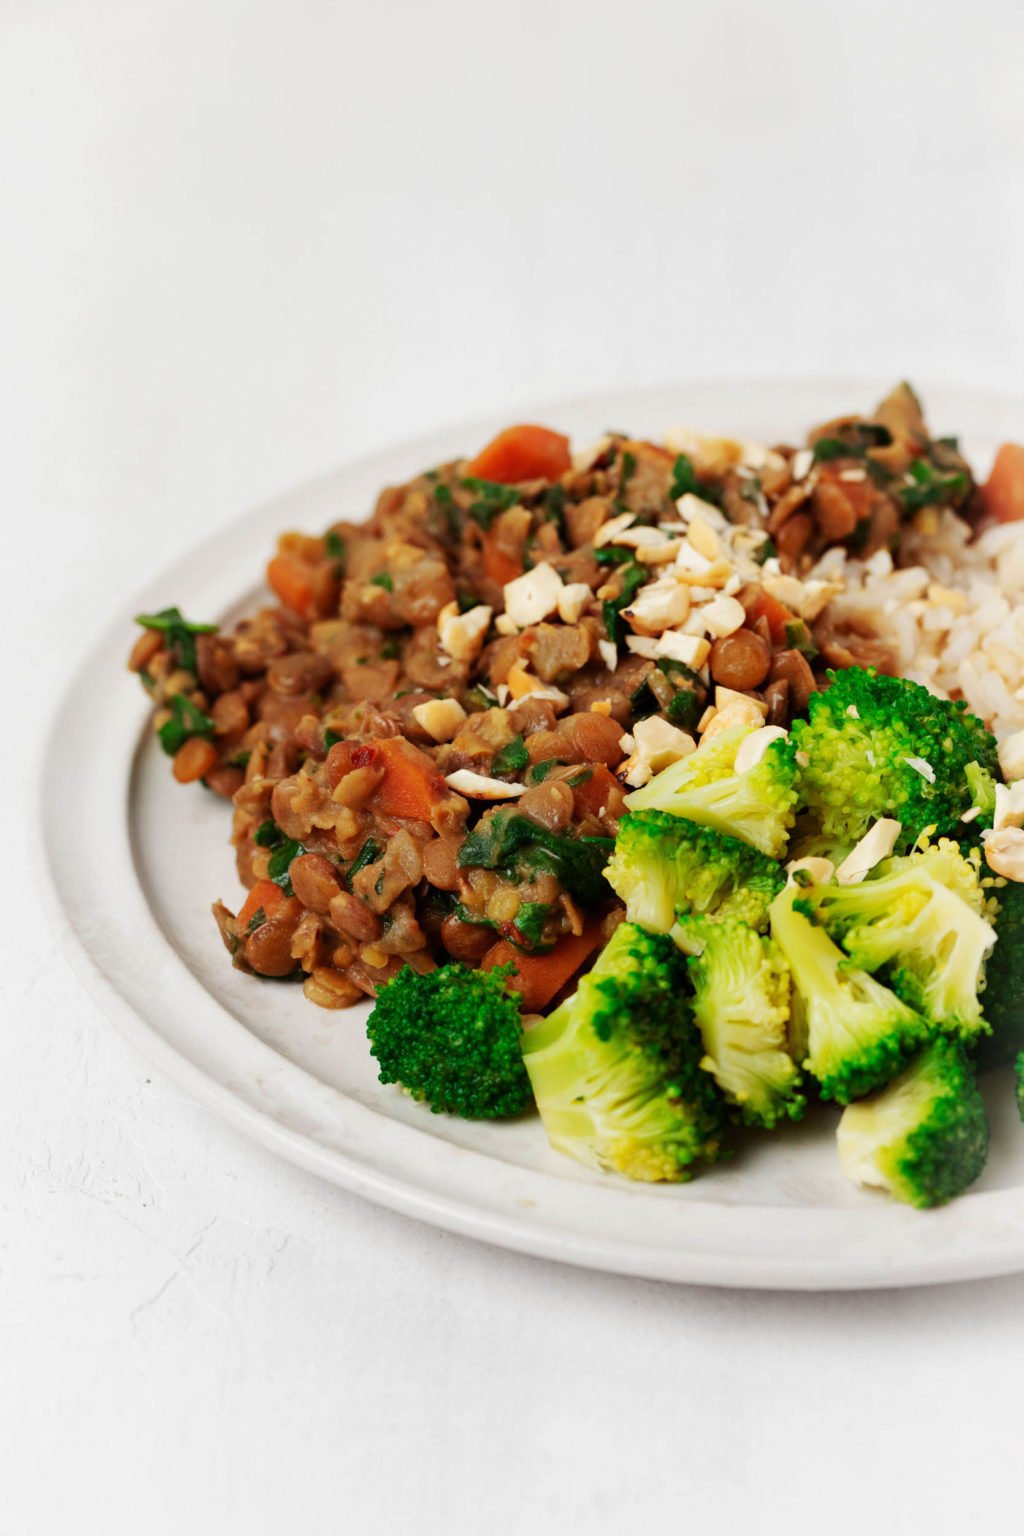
pixel 924 1138
pixel 452 1037
pixel 664 865
pixel 1003 999
pixel 847 1029
pixel 757 806
pixel 741 1005
pixel 616 1069
pixel 922 921
pixel 883 746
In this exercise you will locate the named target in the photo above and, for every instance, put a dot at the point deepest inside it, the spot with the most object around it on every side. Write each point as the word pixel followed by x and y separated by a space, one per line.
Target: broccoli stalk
pixel 1003 998
pixel 921 920
pixel 878 746
pixel 452 1037
pixel 924 1138
pixel 847 1029
pixel 616 1068
pixel 741 1005
pixel 664 866
pixel 757 806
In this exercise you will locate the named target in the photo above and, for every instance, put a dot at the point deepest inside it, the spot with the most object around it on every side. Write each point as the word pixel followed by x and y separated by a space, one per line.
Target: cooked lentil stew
pixel 428 736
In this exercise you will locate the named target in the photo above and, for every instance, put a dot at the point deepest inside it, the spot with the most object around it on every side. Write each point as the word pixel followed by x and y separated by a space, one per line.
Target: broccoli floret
pixel 757 806
pixel 741 1005
pixel 847 1029
pixel 883 746
pixel 452 1037
pixel 924 1138
pixel 922 922
pixel 664 866
pixel 1003 998
pixel 616 1069
pixel 982 786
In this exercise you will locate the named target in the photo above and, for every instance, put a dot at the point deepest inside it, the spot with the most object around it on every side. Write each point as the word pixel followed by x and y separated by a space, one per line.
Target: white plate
pixel 135 861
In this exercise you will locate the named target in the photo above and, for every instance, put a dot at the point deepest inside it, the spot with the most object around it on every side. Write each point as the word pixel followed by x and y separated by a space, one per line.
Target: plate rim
pixel 998 1249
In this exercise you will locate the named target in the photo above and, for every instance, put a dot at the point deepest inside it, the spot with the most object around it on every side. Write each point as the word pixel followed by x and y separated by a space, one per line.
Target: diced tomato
pixel 1003 492
pixel 522 453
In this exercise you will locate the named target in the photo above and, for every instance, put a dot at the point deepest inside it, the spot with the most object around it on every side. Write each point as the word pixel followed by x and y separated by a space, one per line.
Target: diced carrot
pixel 291 582
pixel 411 785
pixel 759 604
pixel 522 453
pixel 264 894
pixel 1003 492
pixel 539 977
pixel 498 564
pixel 596 793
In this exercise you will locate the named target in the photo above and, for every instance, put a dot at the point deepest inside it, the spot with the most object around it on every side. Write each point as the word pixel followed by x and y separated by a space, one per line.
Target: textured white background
pixel 240 243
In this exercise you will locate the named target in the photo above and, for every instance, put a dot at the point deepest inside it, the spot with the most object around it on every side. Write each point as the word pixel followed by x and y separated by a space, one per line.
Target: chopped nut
pixel 607 532
pixel 659 606
pixel 572 600
pixel 660 743
pixel 753 747
pixel 723 616
pixel 922 767
pixel 1004 852
pixel 643 645
pixel 440 718
pixel 820 870
pixel 609 653
pixel 462 634
pixel 877 843
pixel 534 595
pixel 691 650
pixel 1011 757
pixel 479 787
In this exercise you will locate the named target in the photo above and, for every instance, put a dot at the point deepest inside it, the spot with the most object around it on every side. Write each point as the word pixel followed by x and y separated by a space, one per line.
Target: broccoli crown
pixel 757 806
pixel 664 866
pixel 616 1069
pixel 921 922
pixel 452 1037
pixel 924 1138
pixel 852 1032
pixel 741 1005
pixel 884 746
pixel 1003 999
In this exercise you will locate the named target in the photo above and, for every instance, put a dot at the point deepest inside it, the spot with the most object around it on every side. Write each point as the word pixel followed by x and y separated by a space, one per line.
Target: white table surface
pixel 242 242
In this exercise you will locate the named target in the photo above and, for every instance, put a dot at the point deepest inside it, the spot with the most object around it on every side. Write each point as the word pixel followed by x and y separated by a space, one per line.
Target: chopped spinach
pixel 180 634
pixel 491 498
pixel 931 488
pixel 633 577
pixel 628 469
pixel 512 758
pixel 539 772
pixel 518 847
pixel 331 738
pixel 391 649
pixel 529 922
pixel 369 853
pixel 335 546
pixel 686 483
pixel 279 862
pixel 186 721
pixel 613 554
pixel 383 579
pixel 257 920
pixel 268 835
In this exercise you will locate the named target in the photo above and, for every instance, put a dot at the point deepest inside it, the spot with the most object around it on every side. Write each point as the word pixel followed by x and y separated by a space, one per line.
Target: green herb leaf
pixel 257 920
pixel 511 760
pixel 331 738
pixel 519 847
pixel 828 448
pixel 383 579
pixel 633 577
pixel 931 488
pixel 539 772
pixel 335 546
pixel 186 721
pixel 529 921
pixel 613 554
pixel 369 853
pixel 280 859
pixel 180 633
pixel 390 649
pixel 491 498
pixel 686 483
pixel 268 835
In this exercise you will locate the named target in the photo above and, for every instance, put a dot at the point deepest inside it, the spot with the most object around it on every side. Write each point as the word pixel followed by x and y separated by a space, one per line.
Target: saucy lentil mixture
pixel 428 737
